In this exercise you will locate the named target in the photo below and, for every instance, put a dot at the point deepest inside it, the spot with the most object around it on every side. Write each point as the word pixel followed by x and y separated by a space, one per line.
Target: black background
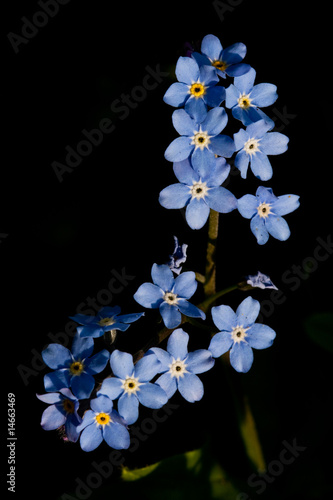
pixel 64 238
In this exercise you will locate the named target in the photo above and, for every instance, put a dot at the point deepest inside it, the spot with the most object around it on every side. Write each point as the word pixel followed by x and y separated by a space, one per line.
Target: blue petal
pixel 71 426
pixel 260 336
pixel 111 387
pixel 121 364
pixel 163 357
pixel 162 276
pixel 237 69
pixel 224 317
pixel 211 47
pixel 245 82
pixel 247 312
pixel 187 70
pixel 274 143
pixel 82 385
pixel 177 344
pixel 261 167
pixel 259 230
pixel 221 200
pixel 174 196
pixel 264 94
pixel 91 438
pixel 218 173
pixel 199 361
pixel 185 173
pixel 90 331
pixel 97 363
pixel 116 436
pixel 170 314
pixel 214 96
pixel 88 419
pixel 152 396
pixel 220 344
pixel 247 205
pixel 215 121
pixel 57 356
pixel 265 195
pixel 128 408
pixel 185 285
pixel 285 204
pixel 203 162
pixel 196 107
pixel 179 149
pixel 147 367
pixel 240 138
pixel 191 387
pixel 84 319
pixel 149 295
pixel 258 129
pixel 183 122
pixel 277 227
pixel 168 384
pixel 190 310
pixel 54 381
pixel 50 398
pixel 82 347
pixel 232 95
pixel 197 212
pixel 176 95
pixel 241 357
pixel 52 418
pixel 130 318
pixel 222 145
pixel 234 53
pixel 101 404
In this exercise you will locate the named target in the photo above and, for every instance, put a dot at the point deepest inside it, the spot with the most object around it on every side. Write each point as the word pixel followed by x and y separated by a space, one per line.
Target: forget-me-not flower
pixel 178 257
pixel 239 333
pixel 253 146
pixel 260 280
pixel 169 295
pixel 131 384
pixel 225 61
pixel 244 98
pixel 265 211
pixel 179 368
pixel 74 368
pixel 61 412
pixel 100 423
pixel 199 193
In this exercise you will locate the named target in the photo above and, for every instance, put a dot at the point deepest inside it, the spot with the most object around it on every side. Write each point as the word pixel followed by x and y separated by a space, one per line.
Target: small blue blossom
pixel 179 368
pixel 225 61
pixel 61 412
pixel 178 256
pixel 169 295
pixel 239 333
pixel 107 319
pixel 260 280
pixel 265 211
pixel 74 369
pixel 253 146
pixel 100 423
pixel 201 140
pixel 131 384
pixel 244 98
pixel 199 193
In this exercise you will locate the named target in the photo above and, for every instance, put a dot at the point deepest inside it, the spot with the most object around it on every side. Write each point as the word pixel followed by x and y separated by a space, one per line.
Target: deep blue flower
pixel 131 384
pixel 196 88
pixel 260 280
pixel 265 211
pixel 102 422
pixel 199 193
pixel 169 295
pixel 179 368
pixel 244 98
pixel 61 412
pixel 253 146
pixel 107 319
pixel 178 257
pixel 200 140
pixel 239 333
pixel 225 61
pixel 74 369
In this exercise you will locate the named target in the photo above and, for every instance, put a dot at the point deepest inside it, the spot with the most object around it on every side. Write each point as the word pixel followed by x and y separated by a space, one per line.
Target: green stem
pixel 210 271
pixel 204 306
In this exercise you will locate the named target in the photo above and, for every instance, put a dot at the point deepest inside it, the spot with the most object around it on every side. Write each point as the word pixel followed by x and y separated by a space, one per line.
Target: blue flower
pixel 61 412
pixel 131 384
pixel 179 368
pixel 169 295
pixel 239 333
pixel 225 61
pixel 178 257
pixel 199 193
pixel 102 422
pixel 196 88
pixel 74 369
pixel 265 211
pixel 260 280
pixel 253 146
pixel 200 140
pixel 244 98
pixel 106 320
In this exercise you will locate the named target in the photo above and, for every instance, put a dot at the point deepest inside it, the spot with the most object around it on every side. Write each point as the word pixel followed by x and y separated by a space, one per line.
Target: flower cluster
pixel 92 411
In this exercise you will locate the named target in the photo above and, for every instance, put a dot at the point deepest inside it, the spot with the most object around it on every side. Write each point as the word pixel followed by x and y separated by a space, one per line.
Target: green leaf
pixel 319 327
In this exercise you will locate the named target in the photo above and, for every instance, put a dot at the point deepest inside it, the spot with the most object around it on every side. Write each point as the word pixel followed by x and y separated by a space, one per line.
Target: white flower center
pixel 264 210
pixel 131 385
pixel 201 139
pixel 177 368
pixel 199 190
pixel 170 298
pixel 252 146
pixel 239 333
pixel 244 101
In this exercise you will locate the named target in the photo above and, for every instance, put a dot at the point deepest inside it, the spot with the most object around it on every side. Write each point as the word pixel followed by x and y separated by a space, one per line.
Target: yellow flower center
pixel 103 418
pixel 76 368
pixel 221 65
pixel 264 210
pixel 244 101
pixel 68 406
pixel 106 322
pixel 197 89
